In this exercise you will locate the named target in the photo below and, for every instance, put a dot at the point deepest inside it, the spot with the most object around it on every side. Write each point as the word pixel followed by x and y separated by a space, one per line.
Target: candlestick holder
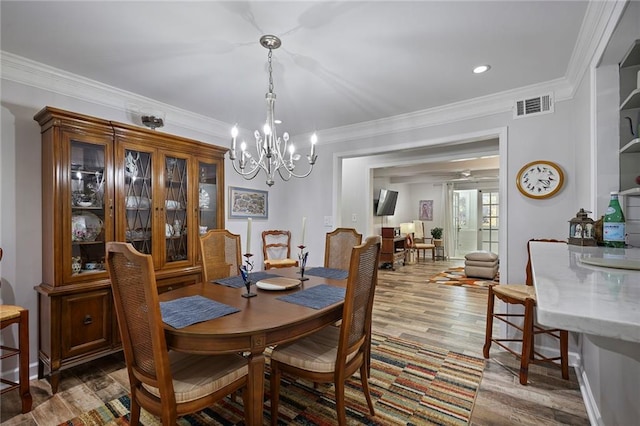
pixel 302 261
pixel 245 271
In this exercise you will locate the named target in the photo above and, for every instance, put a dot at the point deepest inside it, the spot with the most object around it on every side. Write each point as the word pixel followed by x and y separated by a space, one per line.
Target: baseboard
pixel 587 396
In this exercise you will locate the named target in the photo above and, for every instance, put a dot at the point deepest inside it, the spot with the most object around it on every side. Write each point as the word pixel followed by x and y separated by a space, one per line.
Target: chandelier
pixel 274 154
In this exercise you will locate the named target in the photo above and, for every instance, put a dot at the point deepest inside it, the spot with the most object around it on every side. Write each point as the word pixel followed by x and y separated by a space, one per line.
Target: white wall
pixel 428 191
pixel 548 136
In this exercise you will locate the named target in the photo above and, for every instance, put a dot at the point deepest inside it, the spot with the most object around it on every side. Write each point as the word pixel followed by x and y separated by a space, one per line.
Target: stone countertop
pixel 580 297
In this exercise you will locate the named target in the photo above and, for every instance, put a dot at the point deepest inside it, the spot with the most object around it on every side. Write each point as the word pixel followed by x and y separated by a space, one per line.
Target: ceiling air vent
pixel 533 106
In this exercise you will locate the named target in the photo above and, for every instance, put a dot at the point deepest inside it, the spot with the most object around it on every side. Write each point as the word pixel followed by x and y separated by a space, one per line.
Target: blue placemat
pixel 317 297
pixel 330 273
pixel 237 282
pixel 180 313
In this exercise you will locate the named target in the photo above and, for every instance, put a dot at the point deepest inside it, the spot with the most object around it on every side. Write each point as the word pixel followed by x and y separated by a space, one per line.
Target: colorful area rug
pixel 411 384
pixel 455 276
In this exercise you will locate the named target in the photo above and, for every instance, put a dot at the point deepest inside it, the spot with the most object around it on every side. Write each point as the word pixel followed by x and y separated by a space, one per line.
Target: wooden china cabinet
pixel 106 181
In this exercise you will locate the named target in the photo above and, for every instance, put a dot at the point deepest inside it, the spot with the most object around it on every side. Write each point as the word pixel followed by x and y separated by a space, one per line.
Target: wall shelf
pixel 629 90
pixel 633 146
pixel 632 101
pixel 632 57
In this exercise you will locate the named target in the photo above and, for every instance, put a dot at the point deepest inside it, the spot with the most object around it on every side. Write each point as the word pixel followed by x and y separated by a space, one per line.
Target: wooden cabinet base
pixel 53 374
pixel 77 324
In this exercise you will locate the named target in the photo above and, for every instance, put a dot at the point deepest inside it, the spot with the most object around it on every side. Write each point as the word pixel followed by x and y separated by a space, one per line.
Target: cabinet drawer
pixel 86 323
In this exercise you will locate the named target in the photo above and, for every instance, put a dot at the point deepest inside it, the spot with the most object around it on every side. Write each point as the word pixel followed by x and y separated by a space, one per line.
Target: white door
pixel 489 221
pixel 466 221
pixel 475 221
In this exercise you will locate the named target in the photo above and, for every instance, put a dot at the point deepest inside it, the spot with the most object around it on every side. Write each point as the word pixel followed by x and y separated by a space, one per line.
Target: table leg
pixel 255 389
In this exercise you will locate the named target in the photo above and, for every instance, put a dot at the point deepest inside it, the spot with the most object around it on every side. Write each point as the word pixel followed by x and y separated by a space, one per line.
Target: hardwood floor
pixel 405 306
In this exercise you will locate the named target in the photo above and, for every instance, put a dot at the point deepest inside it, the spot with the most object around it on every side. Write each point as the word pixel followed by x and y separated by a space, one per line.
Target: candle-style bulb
pixel 314 140
pixel 234 134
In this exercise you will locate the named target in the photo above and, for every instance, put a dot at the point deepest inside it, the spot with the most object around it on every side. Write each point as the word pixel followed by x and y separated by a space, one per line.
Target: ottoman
pixel 481 264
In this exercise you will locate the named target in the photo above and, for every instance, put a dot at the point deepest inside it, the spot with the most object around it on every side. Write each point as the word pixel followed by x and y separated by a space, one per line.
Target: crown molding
pixel 35 74
pixel 502 102
pixel 597 25
pixel 597 17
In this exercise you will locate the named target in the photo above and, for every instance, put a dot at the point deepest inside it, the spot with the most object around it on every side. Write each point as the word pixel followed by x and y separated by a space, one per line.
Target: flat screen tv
pixel 387 202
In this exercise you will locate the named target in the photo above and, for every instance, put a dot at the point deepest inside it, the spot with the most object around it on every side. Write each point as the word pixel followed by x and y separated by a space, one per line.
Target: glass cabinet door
pixel 138 196
pixel 176 208
pixel 207 197
pixel 89 226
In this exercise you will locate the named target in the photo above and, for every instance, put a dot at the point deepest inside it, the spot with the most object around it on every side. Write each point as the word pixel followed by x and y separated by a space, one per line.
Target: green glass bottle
pixel 613 228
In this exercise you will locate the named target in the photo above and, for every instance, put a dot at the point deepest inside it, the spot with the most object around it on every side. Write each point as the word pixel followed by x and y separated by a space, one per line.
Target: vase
pixel 76 264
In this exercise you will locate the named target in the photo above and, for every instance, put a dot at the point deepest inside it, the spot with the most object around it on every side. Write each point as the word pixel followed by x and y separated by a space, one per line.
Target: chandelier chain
pixel 270 72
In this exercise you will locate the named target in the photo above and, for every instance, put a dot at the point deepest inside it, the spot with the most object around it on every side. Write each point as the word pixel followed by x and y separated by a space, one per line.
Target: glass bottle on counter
pixel 614 225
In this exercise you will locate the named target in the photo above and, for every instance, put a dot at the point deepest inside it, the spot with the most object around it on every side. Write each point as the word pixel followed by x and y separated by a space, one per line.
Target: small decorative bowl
pixel 85 203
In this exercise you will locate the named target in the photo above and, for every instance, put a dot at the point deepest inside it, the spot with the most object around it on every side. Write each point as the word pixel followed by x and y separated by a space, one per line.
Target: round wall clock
pixel 540 179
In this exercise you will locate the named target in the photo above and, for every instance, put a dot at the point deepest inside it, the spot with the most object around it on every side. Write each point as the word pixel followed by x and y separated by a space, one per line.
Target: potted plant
pixel 436 233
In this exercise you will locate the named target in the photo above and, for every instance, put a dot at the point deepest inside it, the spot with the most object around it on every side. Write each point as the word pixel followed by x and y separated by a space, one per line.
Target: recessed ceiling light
pixel 482 68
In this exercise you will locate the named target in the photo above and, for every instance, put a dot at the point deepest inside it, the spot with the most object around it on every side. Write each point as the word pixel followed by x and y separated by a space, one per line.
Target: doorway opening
pixel 404 164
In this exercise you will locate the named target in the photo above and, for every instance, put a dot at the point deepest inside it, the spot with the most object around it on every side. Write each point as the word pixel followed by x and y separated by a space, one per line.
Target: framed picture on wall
pixel 425 210
pixel 245 203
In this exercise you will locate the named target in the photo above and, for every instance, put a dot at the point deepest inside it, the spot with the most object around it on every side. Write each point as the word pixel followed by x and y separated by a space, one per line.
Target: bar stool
pixel 10 314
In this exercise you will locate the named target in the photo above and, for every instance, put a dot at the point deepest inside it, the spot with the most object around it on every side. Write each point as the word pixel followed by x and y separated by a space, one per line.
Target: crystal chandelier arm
pixel 287 174
pixel 248 175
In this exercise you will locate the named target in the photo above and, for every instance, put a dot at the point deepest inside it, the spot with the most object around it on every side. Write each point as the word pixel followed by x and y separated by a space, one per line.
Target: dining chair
pixel 421 242
pixel 167 384
pixel 221 254
pixel 524 294
pixel 11 314
pixel 333 354
pixel 276 249
pixel 338 245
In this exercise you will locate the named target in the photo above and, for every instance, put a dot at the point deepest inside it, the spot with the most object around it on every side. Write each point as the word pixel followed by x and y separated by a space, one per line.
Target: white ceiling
pixel 340 63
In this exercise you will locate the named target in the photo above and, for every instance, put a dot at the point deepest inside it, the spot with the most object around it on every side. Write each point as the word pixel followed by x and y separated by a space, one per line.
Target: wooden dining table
pixel 261 322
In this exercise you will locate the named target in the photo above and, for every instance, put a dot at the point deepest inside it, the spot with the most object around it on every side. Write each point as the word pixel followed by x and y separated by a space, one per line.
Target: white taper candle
pixel 249 235
pixel 234 134
pixel 304 223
